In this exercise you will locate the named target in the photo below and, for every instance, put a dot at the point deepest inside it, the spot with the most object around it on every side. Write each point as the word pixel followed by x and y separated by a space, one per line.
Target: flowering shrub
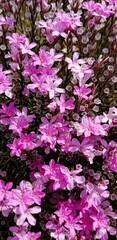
pixel 58 119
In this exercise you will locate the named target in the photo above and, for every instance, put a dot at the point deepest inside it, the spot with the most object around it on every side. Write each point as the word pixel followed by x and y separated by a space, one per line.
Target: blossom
pixel 26 46
pixel 16 148
pixel 72 177
pixel 28 118
pixel 90 126
pixel 4 207
pixel 27 141
pixel 5 81
pixel 8 111
pixel 64 105
pixel 15 39
pixel 75 60
pixel 33 235
pixel 86 147
pixel 49 169
pixel 60 180
pixel 18 123
pixel 22 200
pixel 37 194
pixel 65 141
pixel 19 232
pixel 49 131
pixel 96 194
pixel 44 59
pixel 90 6
pixel 4 190
pixel 82 92
pixel 7 21
pixel 113 163
pixel 110 116
pixel 38 82
pixel 27 215
pixel 98 9
pixel 44 7
pixel 100 220
pixel 72 225
pixel 30 69
pixel 62 213
pixel 52 86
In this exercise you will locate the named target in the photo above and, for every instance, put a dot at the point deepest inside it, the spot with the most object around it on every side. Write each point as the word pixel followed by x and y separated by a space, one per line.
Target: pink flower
pixel 30 69
pixel 44 59
pixel 27 215
pixel 64 105
pixel 65 141
pixel 113 159
pixel 49 131
pixel 21 199
pixel 8 111
pixel 44 5
pixel 49 169
pixel 75 60
pixel 103 10
pixel 86 147
pixel 19 232
pixel 90 6
pixel 60 180
pixel 72 177
pixel 4 190
pixel 26 46
pixel 7 21
pixel 28 118
pixel 52 86
pixel 16 148
pixel 63 213
pixel 89 126
pixel 18 123
pixel 15 39
pixel 27 141
pixel 4 207
pixel 5 81
pixel 37 194
pixel 82 92
pixel 100 220
pixel 38 82
pixel 95 194
pixel 72 225
pixel 33 235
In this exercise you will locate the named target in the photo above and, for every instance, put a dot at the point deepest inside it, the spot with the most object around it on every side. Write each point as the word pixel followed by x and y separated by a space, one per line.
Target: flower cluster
pixel 58 119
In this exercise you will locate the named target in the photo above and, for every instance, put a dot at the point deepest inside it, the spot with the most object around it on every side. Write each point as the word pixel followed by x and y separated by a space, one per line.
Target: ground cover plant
pixel 58 119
